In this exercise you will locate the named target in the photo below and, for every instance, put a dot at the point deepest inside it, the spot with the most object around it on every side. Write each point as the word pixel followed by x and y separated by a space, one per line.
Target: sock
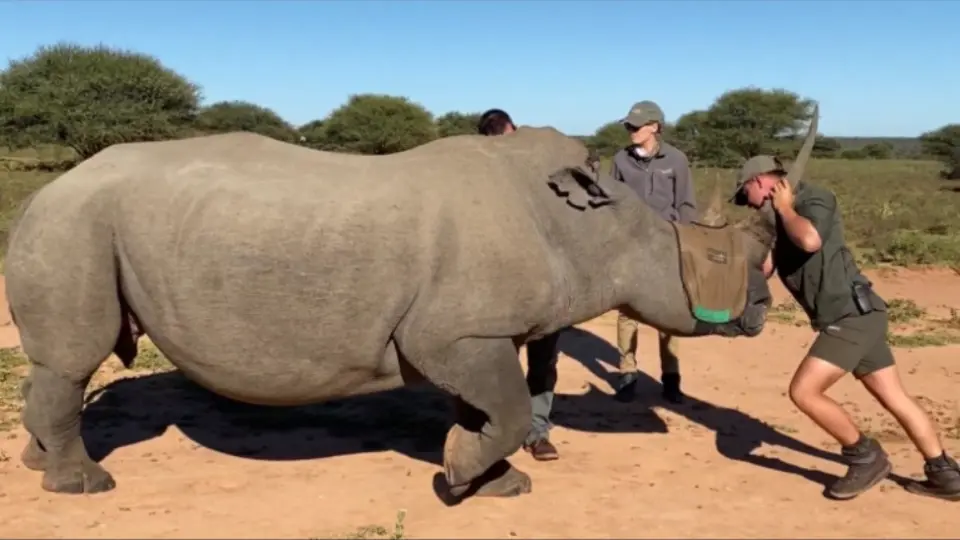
pixel 860 446
pixel 938 461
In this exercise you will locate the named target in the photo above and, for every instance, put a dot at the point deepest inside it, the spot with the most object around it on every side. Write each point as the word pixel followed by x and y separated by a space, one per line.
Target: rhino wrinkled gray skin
pixel 279 275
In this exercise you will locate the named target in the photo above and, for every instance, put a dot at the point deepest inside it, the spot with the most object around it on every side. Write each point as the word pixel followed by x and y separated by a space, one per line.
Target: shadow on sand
pixel 738 434
pixel 412 421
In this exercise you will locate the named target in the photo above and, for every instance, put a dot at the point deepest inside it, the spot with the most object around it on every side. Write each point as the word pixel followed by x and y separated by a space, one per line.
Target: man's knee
pixel 799 393
pixel 812 379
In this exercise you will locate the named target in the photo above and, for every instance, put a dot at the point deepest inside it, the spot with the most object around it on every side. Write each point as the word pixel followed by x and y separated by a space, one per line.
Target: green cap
pixel 642 113
pixel 756 166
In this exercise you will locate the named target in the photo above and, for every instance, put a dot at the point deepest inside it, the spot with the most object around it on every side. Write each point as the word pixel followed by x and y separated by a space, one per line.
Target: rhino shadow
pixel 738 434
pixel 412 421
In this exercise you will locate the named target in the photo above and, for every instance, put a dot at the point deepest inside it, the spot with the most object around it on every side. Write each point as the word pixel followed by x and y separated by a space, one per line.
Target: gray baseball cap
pixel 642 113
pixel 754 167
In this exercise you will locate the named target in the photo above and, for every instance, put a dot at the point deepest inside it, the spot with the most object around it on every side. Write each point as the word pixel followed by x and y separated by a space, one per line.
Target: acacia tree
pixel 377 124
pixel 311 133
pixel 608 139
pixel 944 144
pixel 826 147
pixel 743 123
pixel 226 116
pixel 456 123
pixel 89 98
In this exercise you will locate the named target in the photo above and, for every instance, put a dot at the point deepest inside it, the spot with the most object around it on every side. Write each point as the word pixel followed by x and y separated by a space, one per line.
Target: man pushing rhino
pixel 813 261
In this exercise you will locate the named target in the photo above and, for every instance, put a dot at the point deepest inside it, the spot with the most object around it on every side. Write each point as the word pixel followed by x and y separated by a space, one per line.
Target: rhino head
pixel 617 252
pixel 760 228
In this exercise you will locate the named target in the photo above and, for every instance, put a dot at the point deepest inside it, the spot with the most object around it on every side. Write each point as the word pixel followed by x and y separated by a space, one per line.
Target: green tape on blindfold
pixel 712 315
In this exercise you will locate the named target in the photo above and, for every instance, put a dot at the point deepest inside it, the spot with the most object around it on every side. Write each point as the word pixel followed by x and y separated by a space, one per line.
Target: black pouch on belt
pixel 863 298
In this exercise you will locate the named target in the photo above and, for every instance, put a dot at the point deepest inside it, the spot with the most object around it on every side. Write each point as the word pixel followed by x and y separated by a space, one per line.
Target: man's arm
pixel 685 196
pixel 807 225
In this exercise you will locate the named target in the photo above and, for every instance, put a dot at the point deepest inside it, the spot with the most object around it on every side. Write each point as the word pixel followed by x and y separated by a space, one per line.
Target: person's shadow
pixel 738 434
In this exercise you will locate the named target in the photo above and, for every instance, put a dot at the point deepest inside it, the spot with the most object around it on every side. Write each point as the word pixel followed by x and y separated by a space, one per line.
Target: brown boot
pixel 867 465
pixel 542 450
pixel 943 479
pixel 627 387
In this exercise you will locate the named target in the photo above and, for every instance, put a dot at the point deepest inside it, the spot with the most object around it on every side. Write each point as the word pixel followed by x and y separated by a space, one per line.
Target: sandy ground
pixel 738 460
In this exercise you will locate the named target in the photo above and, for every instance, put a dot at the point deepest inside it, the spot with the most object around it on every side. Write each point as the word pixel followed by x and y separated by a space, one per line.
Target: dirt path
pixel 732 463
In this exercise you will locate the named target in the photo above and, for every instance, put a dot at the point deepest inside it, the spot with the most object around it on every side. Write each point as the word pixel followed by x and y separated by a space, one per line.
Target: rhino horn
pixel 803 156
pixel 761 227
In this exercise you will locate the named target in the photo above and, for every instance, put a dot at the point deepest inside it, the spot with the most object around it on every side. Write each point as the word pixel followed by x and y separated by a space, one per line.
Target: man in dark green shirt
pixel 812 259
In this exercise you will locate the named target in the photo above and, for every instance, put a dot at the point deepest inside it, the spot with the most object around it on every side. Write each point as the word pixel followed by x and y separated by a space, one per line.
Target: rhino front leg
pixel 52 416
pixel 493 416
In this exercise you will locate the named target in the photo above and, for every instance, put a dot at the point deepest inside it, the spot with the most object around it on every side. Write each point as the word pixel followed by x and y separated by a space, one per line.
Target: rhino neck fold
pixel 622 256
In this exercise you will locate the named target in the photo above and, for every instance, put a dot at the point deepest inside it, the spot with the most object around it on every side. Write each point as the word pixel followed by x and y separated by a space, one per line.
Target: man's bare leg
pixel 866 460
pixel 943 473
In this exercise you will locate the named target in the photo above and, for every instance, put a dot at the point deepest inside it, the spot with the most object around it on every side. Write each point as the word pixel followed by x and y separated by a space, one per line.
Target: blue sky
pixel 876 67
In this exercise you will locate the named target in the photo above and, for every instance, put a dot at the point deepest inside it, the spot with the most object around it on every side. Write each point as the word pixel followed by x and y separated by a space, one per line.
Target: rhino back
pixel 227 249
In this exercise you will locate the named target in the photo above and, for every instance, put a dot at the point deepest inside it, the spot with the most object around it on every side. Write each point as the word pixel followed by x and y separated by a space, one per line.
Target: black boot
pixel 627 387
pixel 867 465
pixel 943 479
pixel 671 388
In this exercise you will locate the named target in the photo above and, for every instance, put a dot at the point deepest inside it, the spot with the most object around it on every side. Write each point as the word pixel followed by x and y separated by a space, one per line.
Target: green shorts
pixel 856 344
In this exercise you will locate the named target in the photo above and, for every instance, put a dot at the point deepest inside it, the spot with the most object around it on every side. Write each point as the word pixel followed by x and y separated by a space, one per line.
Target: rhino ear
pixel 578 188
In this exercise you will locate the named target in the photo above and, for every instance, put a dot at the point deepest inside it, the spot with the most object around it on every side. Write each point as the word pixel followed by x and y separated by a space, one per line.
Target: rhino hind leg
pixel 66 339
pixel 52 416
pixel 34 456
pixel 493 417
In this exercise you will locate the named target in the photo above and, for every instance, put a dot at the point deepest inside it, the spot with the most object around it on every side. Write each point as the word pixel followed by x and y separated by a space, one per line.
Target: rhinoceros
pixel 280 275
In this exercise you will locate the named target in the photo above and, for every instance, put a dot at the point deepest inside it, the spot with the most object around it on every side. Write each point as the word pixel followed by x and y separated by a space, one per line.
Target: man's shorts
pixel 856 344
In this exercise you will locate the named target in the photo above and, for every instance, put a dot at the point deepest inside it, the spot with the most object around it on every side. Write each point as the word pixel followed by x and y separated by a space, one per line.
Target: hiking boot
pixel 867 465
pixel 627 387
pixel 671 388
pixel 943 479
pixel 542 450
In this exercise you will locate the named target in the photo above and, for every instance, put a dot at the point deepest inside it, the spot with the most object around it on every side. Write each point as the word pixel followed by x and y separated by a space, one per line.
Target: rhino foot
pixel 87 477
pixel 511 483
pixel 501 480
pixel 34 457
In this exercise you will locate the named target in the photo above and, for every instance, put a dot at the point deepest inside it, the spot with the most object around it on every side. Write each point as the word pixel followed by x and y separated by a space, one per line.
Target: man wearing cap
pixel 541 353
pixel 660 174
pixel 495 122
pixel 812 259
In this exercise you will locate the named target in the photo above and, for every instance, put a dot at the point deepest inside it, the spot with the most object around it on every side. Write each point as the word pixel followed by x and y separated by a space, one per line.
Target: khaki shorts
pixel 856 344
